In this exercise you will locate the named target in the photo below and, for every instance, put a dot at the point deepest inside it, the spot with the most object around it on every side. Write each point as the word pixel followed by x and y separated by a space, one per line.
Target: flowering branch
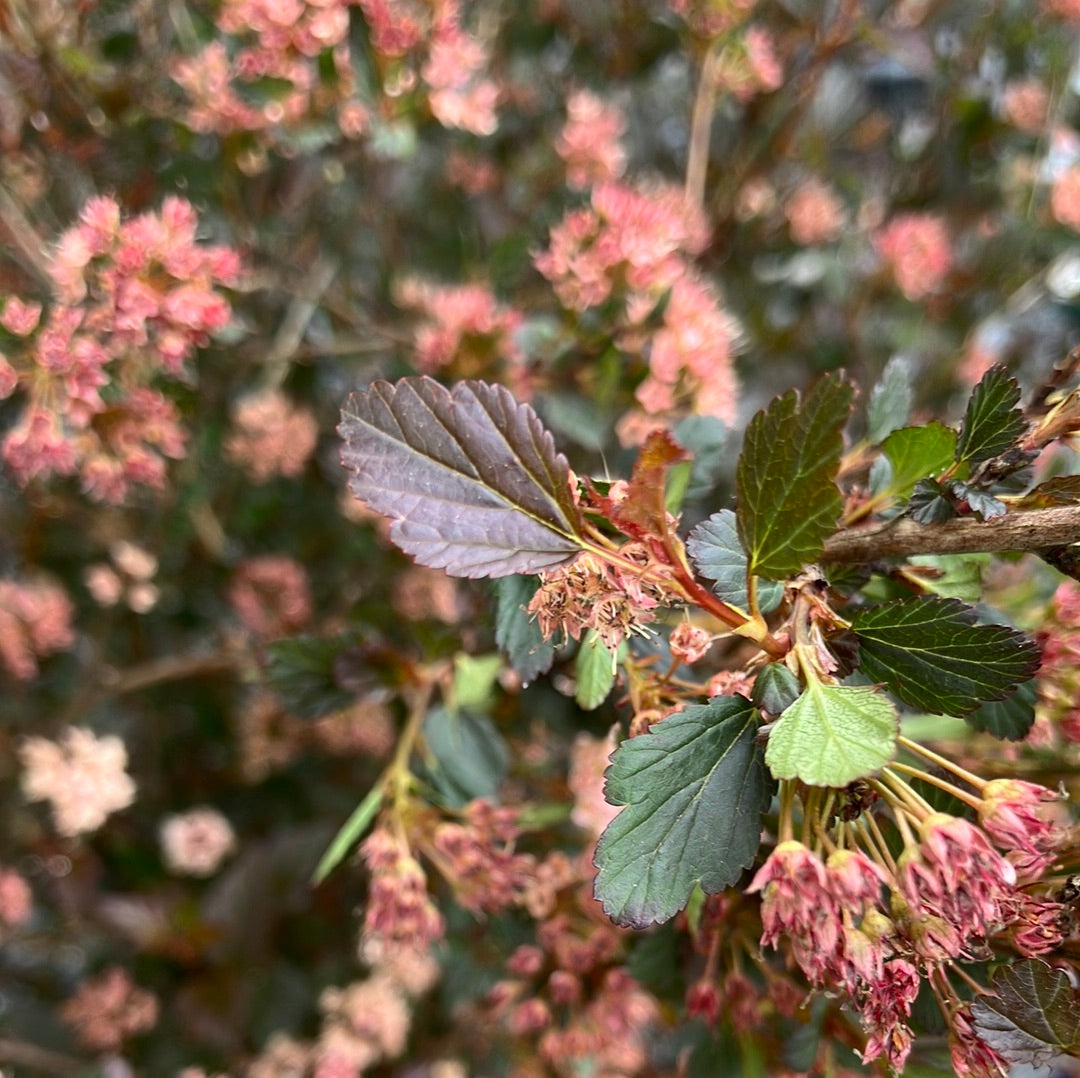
pixel 1036 529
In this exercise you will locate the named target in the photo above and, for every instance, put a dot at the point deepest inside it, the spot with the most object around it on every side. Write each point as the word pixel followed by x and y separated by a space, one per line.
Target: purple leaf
pixel 469 477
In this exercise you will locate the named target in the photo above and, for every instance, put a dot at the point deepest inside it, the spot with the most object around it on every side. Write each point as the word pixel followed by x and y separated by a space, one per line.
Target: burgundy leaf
pixel 469 477
pixel 643 512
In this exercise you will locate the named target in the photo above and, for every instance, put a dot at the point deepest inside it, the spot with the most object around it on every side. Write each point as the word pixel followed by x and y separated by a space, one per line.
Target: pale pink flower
pixel 589 141
pixel 918 248
pixel 374 1010
pixel 20 318
pixel 1064 9
pixel 396 26
pixel 83 777
pixel 1065 198
pixel 589 758
pixel 458 94
pixel 108 1010
pixel 271 595
pixel 815 214
pixel 1025 103
pixel 195 843
pixel 35 621
pixel 271 436
pixel 16 899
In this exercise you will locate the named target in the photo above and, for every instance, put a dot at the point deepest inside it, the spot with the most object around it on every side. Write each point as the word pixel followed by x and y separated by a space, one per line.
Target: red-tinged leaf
pixel 469 476
pixel 644 510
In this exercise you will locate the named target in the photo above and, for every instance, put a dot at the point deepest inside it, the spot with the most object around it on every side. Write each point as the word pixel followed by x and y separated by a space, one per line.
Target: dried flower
pixel 399 913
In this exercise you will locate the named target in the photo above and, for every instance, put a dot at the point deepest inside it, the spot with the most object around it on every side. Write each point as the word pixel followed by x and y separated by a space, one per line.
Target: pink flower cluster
pixel 750 66
pixel 633 247
pixel 815 214
pixel 949 893
pixel 35 621
pixel 589 141
pixel 272 43
pixel 271 436
pixel 918 249
pixel 467 330
pixel 195 843
pixel 1058 710
pixel 83 777
pixel 134 300
pixel 271 595
pixel 108 1010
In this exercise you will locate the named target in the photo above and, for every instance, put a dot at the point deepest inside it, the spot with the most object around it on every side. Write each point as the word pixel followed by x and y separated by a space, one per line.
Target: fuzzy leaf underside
pixel 833 735
pixel 932 654
pixel 694 789
pixel 469 477
pixel 516 633
pixel 992 422
pixel 717 554
pixel 787 502
pixel 1033 1014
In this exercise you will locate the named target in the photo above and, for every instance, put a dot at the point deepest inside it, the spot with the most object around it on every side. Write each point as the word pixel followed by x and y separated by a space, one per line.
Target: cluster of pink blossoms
pixel 272 39
pixel 467 330
pixel 589 142
pixel 875 928
pixel 1058 713
pixel 35 621
pixel 632 248
pixel 917 248
pixel 84 778
pixel 271 436
pixel 271 595
pixel 133 300
pixel 108 1010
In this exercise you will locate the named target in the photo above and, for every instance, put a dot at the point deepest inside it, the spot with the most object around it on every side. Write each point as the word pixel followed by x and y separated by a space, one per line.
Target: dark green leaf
pixel 469 477
pixel 595 670
pixel 694 788
pixel 302 671
pixel 1033 1016
pixel 517 634
pixel 917 453
pixel 890 401
pixel 776 688
pixel 992 422
pixel 348 836
pixel 717 554
pixel 984 506
pixel 467 756
pixel 930 503
pixel 833 735
pixel 1009 719
pixel 932 655
pixel 787 500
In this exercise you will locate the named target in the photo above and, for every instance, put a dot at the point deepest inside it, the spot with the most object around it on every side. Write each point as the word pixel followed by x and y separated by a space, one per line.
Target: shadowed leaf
pixel 992 422
pixel 469 477
pixel 517 634
pixel 717 554
pixel 694 789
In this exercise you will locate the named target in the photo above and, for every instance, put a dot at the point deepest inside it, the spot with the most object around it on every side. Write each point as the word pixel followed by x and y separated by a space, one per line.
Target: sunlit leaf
pixel 787 503
pixel 595 668
pixel 917 453
pixel 469 477
pixel 833 735
pixel 694 789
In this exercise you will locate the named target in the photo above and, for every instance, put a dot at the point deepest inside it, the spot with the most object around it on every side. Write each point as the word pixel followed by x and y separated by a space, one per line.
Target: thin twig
pixel 1035 529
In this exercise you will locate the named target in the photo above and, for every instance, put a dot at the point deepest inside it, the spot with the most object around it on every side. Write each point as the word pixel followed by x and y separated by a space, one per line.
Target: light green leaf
pixel 694 788
pixel 474 680
pixel 833 735
pixel 595 668
pixel 917 453
pixel 787 501
pixel 952 576
pixel 348 836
